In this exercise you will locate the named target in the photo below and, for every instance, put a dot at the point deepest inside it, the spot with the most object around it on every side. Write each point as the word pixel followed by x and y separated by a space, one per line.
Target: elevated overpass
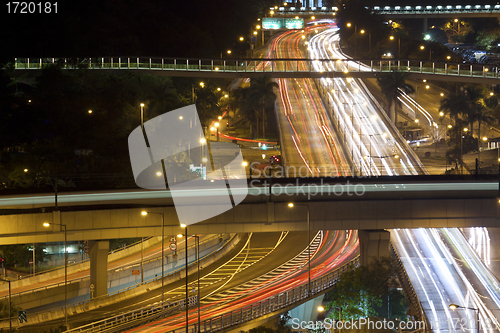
pixel 392 12
pixel 275 68
pixel 334 204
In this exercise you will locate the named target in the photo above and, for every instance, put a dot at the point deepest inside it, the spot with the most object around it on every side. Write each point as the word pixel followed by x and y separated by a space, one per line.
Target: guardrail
pixel 78 280
pixel 127 319
pixel 408 289
pixel 82 261
pixel 388 10
pixel 343 67
pixel 271 304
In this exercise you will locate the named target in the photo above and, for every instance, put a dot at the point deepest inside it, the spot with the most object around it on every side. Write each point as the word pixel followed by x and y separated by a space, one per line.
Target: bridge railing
pixel 152 312
pixel 408 289
pixel 267 65
pixel 294 296
pixel 387 10
pixel 111 271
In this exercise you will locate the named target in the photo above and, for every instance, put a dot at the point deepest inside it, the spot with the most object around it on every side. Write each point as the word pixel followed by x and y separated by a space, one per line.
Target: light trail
pixel 444 270
pixel 375 148
pixel 304 120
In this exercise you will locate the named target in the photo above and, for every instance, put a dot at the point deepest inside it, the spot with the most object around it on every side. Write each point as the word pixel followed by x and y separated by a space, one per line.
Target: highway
pixel 329 250
pixel 375 146
pixel 311 143
pixel 444 270
pixel 443 267
pixel 261 264
pixel 150 254
pixel 355 134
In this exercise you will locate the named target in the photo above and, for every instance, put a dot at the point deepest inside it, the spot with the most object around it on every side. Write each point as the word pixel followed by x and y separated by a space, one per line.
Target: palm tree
pixel 477 110
pixel 393 85
pixel 207 104
pixel 260 98
pixel 454 105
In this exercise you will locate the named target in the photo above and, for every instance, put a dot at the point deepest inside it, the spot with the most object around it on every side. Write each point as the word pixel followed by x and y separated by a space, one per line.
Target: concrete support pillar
pixel 99 266
pixel 425 24
pixel 373 244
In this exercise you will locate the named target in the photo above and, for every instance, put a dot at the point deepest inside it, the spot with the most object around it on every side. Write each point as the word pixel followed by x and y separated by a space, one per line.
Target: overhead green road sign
pixel 272 23
pixel 293 23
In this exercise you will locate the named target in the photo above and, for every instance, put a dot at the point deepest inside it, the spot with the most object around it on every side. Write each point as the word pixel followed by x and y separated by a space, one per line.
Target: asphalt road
pixel 271 276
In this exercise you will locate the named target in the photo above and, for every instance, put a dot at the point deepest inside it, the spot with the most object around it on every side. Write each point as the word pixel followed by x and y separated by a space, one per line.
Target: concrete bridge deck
pixel 334 204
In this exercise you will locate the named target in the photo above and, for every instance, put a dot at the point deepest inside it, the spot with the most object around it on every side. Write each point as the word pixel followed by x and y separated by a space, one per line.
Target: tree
pixel 354 16
pixel 283 320
pixel 454 105
pixel 207 103
pixel 362 292
pixel 352 295
pixel 393 85
pixel 260 98
pixel 477 110
pixel 457 31
pixel 488 39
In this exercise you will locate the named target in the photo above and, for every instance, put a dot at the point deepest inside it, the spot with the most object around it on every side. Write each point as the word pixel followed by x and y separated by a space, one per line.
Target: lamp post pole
pixel 462 151
pixel 309 249
pixel 355 39
pixel 370 42
pixel 455 306
pixel 46 224
pixel 187 295
pixel 34 264
pixel 197 238
pixel 162 256
pixel 65 277
pixel 144 213
pixel 142 259
pixel 142 117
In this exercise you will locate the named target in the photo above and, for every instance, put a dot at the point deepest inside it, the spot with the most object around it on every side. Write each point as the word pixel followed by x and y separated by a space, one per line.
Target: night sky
pixel 140 27
pixel 128 28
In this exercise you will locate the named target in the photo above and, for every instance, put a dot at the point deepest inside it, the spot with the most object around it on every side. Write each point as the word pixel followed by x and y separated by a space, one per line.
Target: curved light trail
pixel 331 250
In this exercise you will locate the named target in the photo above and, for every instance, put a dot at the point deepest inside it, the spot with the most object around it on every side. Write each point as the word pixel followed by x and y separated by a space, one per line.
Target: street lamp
pixel 399 45
pixel 458 25
pixel 216 125
pixel 291 205
pixel 144 213
pixel 455 306
pixel 369 41
pixel 142 117
pixel 187 292
pixel 430 51
pixel 355 40
pixel 462 151
pixel 198 282
pixel 46 225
